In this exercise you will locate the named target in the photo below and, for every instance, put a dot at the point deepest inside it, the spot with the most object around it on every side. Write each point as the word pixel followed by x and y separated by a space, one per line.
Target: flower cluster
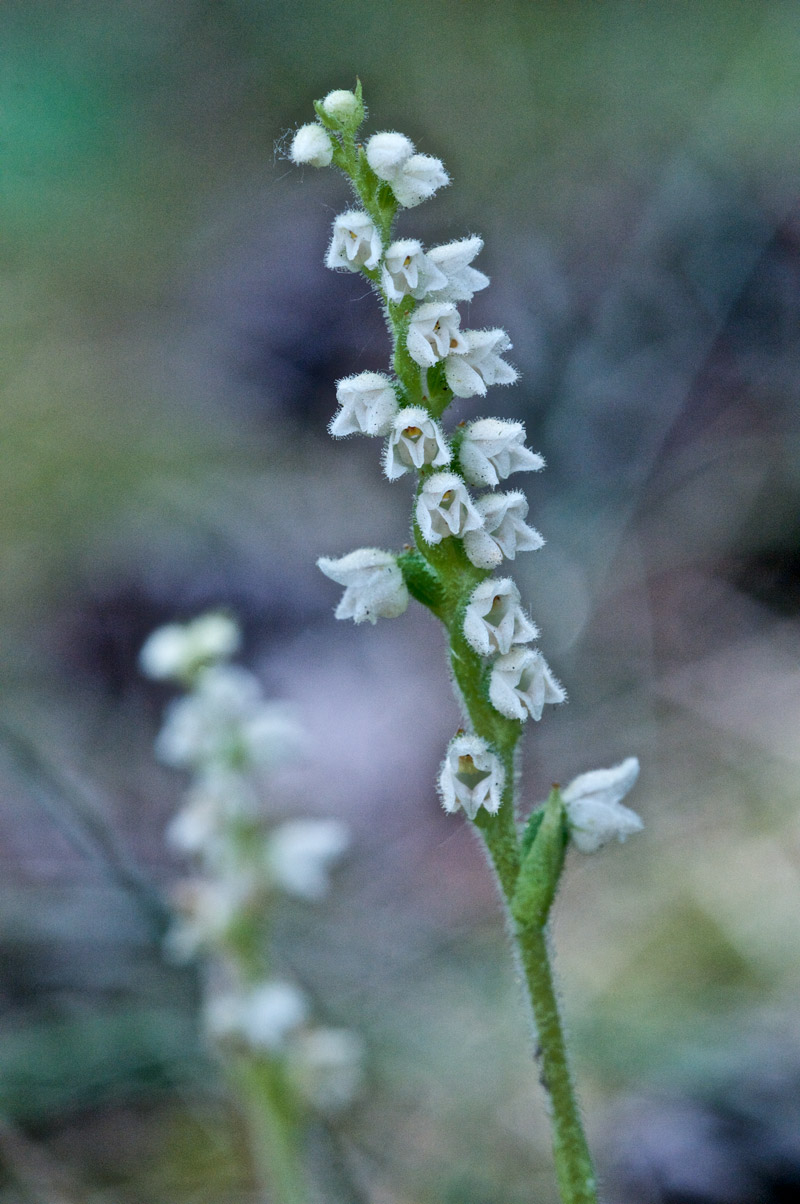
pixel 435 360
pixel 229 737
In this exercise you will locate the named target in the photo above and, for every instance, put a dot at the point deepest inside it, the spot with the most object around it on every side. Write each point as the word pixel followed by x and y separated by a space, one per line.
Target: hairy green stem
pixel 573 1162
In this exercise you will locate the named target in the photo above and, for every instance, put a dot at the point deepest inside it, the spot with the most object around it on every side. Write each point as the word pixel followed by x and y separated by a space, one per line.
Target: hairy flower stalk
pixel 459 540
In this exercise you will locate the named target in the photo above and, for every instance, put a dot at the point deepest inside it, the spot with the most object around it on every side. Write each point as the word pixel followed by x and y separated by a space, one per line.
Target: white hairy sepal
pixel 387 152
pixel 408 271
pixel 368 405
pixel 415 439
pixel 225 723
pixel 263 1016
pixel 176 651
pixel 343 106
pixel 326 1066
pixel 311 145
pixel 300 853
pixel 504 531
pixel 445 508
pixel 418 179
pixel 594 810
pixel 374 585
pixel 521 683
pixel 471 777
pixel 476 366
pixel 453 260
pixel 494 619
pixel 494 448
pixel 355 242
pixel 433 333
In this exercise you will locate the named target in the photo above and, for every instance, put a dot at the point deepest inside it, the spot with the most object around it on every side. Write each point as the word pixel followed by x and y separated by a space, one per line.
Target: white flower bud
pixel 594 810
pixel 300 853
pixel 492 449
pixel 445 508
pixel 326 1065
pixel 414 440
pixel 387 152
pixel 471 777
pixel 418 179
pixel 494 619
pixel 368 405
pixel 312 145
pixel 504 531
pixel 521 683
pixel 342 105
pixel 407 271
pixel 374 585
pixel 433 333
pixel 469 370
pixel 453 259
pixel 177 650
pixel 355 242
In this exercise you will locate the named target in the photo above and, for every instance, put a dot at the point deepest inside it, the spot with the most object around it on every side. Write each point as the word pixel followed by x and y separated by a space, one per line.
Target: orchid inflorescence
pixel 465 526
pixel 231 739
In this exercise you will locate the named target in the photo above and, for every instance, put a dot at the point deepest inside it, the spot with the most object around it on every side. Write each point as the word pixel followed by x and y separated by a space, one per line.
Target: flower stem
pixel 573 1162
pixel 272 1132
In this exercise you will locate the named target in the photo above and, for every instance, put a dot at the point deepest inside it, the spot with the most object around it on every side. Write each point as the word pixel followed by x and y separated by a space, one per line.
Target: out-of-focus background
pixel 170 342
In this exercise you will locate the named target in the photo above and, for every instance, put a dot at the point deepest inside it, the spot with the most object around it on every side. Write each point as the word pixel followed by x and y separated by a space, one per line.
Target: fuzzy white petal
pixel 418 179
pixel 374 585
pixel 355 242
pixel 445 508
pixel 492 449
pixel 522 683
pixel 311 144
pixel 471 777
pixel 433 333
pixel 504 531
pixel 415 439
pixel 594 808
pixel 494 620
pixel 387 152
pixel 453 260
pixel 482 355
pixel 368 405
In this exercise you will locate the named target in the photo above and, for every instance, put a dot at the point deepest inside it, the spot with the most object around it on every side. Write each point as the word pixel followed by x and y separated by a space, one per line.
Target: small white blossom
pixel 453 260
pixel 311 144
pixel 342 105
pixel 418 179
pixel 594 809
pixel 504 531
pixel 387 152
pixel 521 683
pixel 355 242
pixel 408 271
pixel 445 508
pixel 368 405
pixel 225 722
pixel 494 619
pixel 263 1016
pixel 414 440
pixel 471 777
pixel 300 853
pixel 178 650
pixel 433 333
pixel 327 1066
pixel 374 585
pixel 471 369
pixel 493 448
